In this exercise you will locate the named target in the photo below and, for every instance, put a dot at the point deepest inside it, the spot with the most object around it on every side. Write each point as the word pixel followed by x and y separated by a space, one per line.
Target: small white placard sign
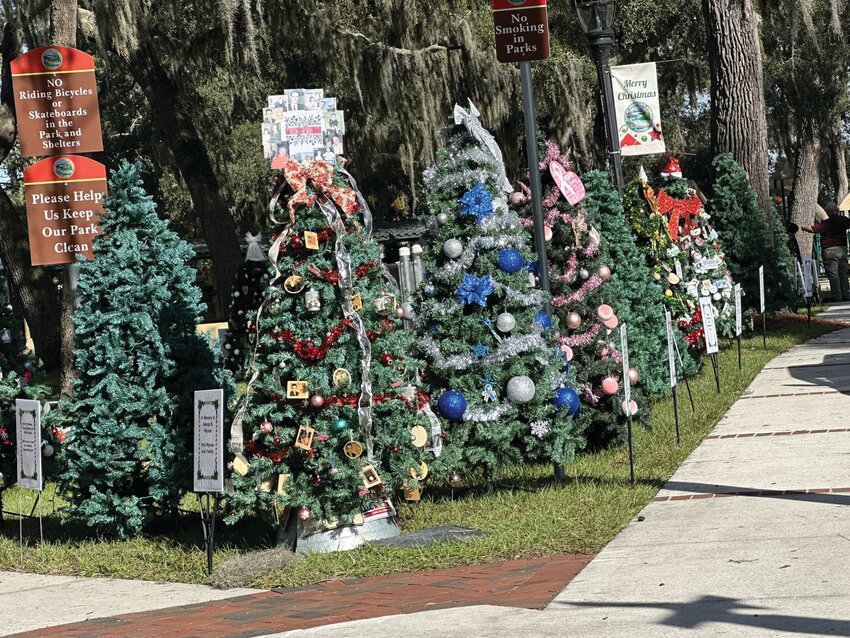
pixel 807 277
pixel 671 348
pixel 738 327
pixel 624 352
pixel 208 413
pixel 708 326
pixel 761 288
pixel 28 443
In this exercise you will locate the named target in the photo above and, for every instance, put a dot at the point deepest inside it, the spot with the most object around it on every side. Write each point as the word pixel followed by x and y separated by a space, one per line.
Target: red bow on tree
pixel 319 175
pixel 677 208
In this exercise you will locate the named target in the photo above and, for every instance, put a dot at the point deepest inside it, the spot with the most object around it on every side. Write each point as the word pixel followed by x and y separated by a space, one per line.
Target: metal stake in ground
pixel 208 504
pixel 762 306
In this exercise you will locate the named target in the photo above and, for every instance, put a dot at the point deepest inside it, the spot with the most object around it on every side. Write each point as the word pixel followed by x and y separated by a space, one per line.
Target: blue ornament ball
pixel 430 291
pixel 566 398
pixel 510 260
pixel 452 405
pixel 543 319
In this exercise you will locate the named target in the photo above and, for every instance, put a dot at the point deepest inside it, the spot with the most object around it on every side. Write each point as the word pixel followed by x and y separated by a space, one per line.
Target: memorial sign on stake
pixel 712 346
pixel 807 277
pixel 761 289
pixel 671 349
pixel 738 324
pixel 64 199
pixel 28 444
pixel 627 393
pixel 56 105
pixel 208 472
pixel 522 30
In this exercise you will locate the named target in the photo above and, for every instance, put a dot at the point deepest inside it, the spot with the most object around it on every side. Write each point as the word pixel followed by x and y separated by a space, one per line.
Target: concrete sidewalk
pixel 750 537
pixel 33 601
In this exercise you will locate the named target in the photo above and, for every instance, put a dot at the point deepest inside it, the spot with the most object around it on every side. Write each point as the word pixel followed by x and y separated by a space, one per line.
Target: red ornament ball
pixel 443 435
pixel 395 449
pixel 266 427
pixel 386 359
pixel 317 400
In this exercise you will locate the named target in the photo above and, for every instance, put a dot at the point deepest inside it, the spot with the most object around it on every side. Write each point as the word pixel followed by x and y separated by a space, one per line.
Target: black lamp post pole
pixel 602 44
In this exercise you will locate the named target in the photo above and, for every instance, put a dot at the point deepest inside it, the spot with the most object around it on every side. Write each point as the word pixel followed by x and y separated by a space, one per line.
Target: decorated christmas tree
pixel 334 419
pixel 684 252
pixel 246 299
pixel 139 360
pixel 493 362
pixel 748 239
pixel 16 382
pixel 596 279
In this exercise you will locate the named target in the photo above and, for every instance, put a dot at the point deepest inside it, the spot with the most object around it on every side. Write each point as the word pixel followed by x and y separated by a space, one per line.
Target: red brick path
pixel 519 583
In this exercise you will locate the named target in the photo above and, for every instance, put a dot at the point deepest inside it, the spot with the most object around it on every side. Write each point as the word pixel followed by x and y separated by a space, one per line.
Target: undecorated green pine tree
pixel 128 452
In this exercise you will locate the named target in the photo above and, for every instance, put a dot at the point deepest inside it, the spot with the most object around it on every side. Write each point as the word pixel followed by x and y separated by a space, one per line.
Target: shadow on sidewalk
pixel 820 496
pixel 832 373
pixel 731 611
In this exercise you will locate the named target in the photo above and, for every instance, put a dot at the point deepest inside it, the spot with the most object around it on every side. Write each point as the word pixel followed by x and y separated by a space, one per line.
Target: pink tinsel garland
pixel 570 273
pixel 584 339
pixel 589 396
pixel 590 285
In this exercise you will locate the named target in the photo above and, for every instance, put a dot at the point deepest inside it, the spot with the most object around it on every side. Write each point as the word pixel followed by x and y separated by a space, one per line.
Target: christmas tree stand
pixel 310 538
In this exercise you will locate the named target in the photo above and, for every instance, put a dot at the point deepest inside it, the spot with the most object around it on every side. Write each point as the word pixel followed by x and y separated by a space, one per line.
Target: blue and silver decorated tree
pixel 500 381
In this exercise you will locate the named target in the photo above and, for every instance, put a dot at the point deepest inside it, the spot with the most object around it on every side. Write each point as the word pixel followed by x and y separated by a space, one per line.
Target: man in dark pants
pixel 833 231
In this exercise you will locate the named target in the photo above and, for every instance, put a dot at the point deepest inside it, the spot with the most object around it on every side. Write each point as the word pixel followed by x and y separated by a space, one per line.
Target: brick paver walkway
pixel 531 584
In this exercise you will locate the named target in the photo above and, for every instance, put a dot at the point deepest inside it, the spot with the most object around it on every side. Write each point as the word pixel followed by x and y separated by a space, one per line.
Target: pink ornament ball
pixel 632 405
pixel 604 353
pixel 573 320
pixel 305 514
pixel 266 427
pixel 568 352
pixel 400 312
pixel 547 233
pixel 610 385
pixel 633 375
pixel 604 272
pixel 604 312
pixel 517 199
pixel 611 323
pixel 317 401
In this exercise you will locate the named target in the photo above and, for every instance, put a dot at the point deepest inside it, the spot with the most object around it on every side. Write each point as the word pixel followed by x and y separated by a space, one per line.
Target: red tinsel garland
pixel 333 276
pixel 351 400
pixel 306 349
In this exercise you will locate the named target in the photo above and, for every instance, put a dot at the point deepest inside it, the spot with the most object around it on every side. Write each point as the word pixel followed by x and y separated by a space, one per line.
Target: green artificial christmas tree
pixel 684 252
pixel 503 392
pixel 748 239
pixel 334 418
pixel 16 382
pixel 139 360
pixel 592 276
pixel 247 296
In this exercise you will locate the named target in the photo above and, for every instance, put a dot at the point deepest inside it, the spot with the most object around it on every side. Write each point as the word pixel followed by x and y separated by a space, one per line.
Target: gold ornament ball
pixel 573 320
pixel 668 293
pixel 604 272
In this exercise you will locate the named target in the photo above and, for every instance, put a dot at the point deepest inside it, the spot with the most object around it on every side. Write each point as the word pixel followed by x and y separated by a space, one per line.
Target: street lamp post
pixel 597 20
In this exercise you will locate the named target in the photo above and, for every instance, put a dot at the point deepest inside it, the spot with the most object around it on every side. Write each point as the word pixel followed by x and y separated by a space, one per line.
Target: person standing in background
pixel 833 232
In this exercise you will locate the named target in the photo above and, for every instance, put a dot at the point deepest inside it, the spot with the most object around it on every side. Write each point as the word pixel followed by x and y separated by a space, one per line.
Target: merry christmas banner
pixel 637 108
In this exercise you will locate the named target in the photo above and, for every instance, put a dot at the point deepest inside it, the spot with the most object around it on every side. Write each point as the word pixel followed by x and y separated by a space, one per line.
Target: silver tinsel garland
pixel 480 415
pixel 508 349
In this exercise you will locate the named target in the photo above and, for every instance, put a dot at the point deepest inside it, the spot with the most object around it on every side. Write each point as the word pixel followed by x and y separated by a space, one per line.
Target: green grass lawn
pixel 529 515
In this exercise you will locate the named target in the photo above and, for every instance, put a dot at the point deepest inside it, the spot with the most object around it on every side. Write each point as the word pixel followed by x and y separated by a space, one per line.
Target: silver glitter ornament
pixel 452 248
pixel 583 273
pixel 442 218
pixel 505 322
pixel 520 389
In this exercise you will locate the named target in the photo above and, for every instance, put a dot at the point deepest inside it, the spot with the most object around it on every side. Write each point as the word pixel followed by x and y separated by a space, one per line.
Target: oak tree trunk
pixel 738 120
pixel 839 168
pixel 806 180
pixel 195 165
pixel 33 290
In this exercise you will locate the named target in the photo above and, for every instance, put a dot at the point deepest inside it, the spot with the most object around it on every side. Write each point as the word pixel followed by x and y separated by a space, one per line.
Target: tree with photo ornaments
pixel 502 383
pixel 335 418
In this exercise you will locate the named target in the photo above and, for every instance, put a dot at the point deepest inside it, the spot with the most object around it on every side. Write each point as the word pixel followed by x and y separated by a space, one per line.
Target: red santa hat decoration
pixel 671 168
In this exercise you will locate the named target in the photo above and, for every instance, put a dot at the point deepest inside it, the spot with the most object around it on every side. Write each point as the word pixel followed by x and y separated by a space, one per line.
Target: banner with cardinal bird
pixel 637 108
